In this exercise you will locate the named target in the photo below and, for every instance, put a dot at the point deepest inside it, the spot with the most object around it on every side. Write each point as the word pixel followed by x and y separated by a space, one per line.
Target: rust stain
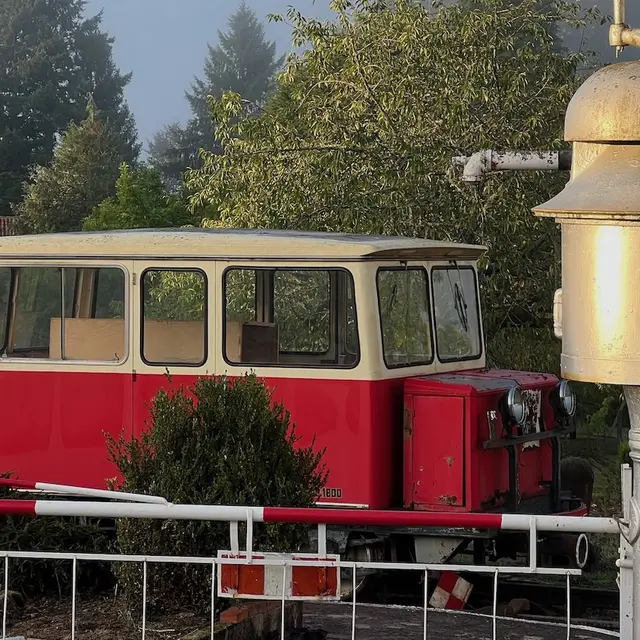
pixel 408 424
pixel 447 499
pixel 450 460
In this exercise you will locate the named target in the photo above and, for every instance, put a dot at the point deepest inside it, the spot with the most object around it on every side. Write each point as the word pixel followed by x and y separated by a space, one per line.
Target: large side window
pixel 290 317
pixel 174 317
pixel 403 298
pixel 455 296
pixel 63 313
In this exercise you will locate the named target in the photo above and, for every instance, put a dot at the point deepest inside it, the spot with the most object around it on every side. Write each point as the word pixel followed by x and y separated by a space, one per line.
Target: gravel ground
pixel 102 619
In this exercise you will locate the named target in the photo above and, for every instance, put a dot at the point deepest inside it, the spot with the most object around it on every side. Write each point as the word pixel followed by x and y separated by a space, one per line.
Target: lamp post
pixel 599 215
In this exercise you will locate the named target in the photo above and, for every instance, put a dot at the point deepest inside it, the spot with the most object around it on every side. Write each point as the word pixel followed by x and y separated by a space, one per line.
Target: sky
pixel 164 45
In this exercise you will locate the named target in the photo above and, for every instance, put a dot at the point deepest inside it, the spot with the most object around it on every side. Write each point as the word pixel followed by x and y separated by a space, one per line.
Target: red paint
pixel 363 517
pixel 17 484
pixel 314 581
pixel 358 422
pixel 18 507
pixel 439 436
pixel 435 470
pixel 243 579
pixel 53 424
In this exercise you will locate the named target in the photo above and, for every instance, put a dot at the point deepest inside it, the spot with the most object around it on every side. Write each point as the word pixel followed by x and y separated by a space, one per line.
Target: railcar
pixel 374 344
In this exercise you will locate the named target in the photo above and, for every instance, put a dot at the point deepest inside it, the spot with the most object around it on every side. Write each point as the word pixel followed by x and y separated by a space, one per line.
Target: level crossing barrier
pixel 247 573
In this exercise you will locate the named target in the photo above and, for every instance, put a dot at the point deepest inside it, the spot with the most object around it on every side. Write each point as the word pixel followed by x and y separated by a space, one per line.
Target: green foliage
pixel 52 59
pixel 218 442
pixel 525 349
pixel 243 62
pixel 83 173
pixel 174 295
pixel 361 132
pixel 141 202
pixel 49 577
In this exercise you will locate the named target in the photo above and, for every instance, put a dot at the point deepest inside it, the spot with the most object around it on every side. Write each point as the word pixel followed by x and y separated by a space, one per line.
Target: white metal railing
pixel 285 564
pixel 288 562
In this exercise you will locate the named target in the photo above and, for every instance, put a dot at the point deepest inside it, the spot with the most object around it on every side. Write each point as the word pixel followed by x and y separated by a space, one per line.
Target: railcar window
pixel 5 294
pixel 403 298
pixel 174 323
pixel 64 314
pixel 457 313
pixel 290 317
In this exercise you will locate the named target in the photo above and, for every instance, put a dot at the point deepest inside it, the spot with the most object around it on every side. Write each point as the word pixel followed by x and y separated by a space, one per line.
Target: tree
pixel 141 201
pixel 360 135
pixel 52 61
pixel 221 441
pixel 83 173
pixel 173 150
pixel 243 62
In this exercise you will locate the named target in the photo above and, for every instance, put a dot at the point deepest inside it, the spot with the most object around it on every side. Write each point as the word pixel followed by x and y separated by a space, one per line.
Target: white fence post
pixel 625 564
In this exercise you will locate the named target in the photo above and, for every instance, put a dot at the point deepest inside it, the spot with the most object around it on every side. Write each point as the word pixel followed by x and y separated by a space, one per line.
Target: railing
pixel 291 574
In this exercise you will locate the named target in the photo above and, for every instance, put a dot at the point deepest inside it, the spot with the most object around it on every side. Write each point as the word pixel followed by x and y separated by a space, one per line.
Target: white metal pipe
pixel 217 513
pixel 482 162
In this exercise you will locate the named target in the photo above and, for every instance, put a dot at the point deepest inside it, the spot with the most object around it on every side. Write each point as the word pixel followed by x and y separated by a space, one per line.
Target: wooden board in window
pixel 260 343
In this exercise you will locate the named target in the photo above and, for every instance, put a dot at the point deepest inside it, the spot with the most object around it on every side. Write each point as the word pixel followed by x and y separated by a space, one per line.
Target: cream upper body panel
pixel 213 251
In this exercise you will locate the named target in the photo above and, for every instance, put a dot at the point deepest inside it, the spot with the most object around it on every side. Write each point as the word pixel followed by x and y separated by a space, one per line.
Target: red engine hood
pixel 479 381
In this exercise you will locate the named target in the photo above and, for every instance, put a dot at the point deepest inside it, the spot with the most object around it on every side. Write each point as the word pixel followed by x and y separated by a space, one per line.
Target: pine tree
pixel 244 62
pixel 141 202
pixel 83 173
pixel 52 59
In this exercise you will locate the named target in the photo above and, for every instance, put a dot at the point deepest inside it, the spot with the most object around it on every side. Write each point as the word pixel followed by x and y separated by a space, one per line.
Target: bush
pixel 49 577
pixel 221 441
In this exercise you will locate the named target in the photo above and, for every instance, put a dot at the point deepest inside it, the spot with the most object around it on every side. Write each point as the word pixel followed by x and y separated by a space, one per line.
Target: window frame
pixel 190 365
pixel 279 365
pixel 476 283
pixel 9 310
pixel 12 359
pixel 423 363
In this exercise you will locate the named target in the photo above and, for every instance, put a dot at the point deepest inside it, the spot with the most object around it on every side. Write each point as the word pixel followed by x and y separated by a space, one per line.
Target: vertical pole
pixel 632 395
pixel 626 555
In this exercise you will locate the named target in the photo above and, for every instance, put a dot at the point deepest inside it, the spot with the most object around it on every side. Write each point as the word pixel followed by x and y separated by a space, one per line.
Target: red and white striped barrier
pixel 278 581
pixel 314 515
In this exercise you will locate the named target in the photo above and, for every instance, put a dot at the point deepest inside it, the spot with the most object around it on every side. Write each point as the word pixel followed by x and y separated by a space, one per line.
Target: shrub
pixel 222 441
pixel 51 577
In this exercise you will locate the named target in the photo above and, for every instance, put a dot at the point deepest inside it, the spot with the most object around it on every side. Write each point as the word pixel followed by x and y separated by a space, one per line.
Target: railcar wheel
pixel 577 477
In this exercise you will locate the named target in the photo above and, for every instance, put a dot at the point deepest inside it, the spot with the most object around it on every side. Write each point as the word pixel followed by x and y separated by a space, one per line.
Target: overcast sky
pixel 164 44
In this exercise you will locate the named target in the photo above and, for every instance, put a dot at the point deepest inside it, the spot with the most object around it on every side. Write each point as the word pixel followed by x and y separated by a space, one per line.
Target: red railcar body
pixel 446 466
pixel 438 463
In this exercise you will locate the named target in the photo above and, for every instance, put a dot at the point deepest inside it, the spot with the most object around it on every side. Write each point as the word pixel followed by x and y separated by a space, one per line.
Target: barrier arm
pixel 70 490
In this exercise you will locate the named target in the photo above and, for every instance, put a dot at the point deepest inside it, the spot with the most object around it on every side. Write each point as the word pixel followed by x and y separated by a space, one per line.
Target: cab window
pixel 405 323
pixel 290 317
pixel 457 314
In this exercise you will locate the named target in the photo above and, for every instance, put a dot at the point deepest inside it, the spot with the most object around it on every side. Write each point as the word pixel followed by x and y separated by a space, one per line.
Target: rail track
pixel 597 607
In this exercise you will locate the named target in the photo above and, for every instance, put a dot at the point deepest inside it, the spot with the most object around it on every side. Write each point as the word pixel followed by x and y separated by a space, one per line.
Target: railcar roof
pixel 232 243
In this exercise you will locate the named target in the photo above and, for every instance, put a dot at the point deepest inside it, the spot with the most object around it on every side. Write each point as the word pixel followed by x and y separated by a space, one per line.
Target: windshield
pixel 455 296
pixel 403 298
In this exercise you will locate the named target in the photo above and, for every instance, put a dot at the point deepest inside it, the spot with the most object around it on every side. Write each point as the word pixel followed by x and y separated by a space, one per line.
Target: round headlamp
pixel 567 400
pixel 515 405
